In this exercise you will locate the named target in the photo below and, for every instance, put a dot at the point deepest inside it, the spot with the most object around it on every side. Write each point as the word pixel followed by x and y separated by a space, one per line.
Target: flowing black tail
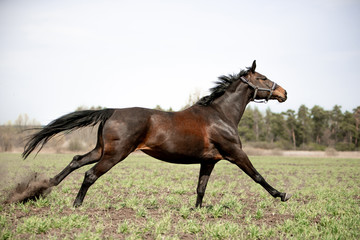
pixel 68 123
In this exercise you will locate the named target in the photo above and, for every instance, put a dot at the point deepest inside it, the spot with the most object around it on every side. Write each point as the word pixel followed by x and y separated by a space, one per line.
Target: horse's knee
pixel 258 178
pixel 201 188
pixel 90 177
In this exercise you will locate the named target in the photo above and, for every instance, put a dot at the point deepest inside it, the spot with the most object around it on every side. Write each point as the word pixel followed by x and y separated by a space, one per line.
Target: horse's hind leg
pixel 81 160
pixel 77 162
pixel 109 159
pixel 121 136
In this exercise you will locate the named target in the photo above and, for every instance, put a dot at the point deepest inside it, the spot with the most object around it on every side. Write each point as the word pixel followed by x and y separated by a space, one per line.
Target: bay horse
pixel 204 133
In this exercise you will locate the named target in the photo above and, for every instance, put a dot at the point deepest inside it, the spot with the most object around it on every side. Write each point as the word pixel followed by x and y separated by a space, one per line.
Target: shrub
pixel 342 146
pixel 331 152
pixel 312 147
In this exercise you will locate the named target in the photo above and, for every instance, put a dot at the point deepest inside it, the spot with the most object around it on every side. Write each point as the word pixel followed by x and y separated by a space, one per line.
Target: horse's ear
pixel 252 69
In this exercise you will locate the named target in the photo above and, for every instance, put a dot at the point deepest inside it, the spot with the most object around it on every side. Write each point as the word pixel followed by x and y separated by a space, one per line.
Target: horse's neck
pixel 233 104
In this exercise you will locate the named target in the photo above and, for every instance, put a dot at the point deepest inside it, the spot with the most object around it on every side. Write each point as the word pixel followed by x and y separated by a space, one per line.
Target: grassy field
pixel 143 198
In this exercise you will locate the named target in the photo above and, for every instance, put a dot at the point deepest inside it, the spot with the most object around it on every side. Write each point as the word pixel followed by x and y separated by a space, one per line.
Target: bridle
pixel 256 88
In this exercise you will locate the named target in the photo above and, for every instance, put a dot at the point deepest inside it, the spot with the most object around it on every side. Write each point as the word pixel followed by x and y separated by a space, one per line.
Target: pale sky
pixel 58 55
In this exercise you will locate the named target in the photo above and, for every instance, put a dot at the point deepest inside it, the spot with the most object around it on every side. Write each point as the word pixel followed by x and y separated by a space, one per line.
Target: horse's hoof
pixel 76 204
pixel 286 197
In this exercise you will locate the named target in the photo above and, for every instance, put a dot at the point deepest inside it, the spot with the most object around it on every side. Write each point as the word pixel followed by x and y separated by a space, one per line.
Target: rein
pixel 256 88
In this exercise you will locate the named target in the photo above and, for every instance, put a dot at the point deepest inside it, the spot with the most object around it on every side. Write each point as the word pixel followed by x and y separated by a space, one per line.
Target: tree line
pixel 304 129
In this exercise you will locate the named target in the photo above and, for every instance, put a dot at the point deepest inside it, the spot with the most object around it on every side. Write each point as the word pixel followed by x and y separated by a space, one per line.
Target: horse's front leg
pixel 239 158
pixel 205 171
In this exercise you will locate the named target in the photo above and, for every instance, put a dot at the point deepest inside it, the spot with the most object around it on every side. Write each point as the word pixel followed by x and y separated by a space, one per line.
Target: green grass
pixel 145 198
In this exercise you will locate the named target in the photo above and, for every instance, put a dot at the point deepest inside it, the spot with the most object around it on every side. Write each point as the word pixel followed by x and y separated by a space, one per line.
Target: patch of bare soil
pixel 322 154
pixel 30 187
pixel 330 152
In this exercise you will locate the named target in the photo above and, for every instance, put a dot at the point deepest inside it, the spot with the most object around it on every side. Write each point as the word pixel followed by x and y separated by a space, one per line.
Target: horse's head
pixel 265 89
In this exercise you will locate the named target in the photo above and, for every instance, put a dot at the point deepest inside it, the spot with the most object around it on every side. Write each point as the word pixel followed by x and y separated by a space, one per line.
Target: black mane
pixel 221 85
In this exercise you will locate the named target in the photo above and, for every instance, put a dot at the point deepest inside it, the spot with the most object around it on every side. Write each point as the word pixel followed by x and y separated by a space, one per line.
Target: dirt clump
pixel 31 187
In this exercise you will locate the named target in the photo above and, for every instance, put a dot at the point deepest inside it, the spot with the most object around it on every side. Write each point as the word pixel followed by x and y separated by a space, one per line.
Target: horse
pixel 204 133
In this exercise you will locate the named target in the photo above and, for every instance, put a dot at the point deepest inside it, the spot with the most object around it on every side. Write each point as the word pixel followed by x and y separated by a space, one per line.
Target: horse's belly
pixel 188 157
pixel 179 144
pixel 172 158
